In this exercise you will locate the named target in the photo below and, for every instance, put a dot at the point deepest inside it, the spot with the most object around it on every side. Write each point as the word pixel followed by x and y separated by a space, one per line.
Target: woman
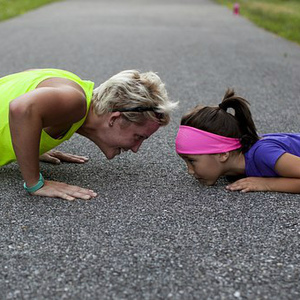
pixel 42 108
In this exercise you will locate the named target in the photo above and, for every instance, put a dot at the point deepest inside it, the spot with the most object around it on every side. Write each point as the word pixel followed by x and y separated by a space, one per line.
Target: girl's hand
pixel 64 191
pixel 250 184
pixel 56 157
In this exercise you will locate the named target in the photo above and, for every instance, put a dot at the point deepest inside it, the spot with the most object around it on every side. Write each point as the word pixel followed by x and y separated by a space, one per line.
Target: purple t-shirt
pixel 260 160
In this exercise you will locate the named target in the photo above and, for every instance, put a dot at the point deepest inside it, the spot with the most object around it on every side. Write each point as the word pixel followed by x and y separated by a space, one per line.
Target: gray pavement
pixel 153 232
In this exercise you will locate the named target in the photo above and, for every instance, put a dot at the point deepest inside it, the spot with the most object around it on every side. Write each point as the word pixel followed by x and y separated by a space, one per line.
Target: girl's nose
pixel 191 170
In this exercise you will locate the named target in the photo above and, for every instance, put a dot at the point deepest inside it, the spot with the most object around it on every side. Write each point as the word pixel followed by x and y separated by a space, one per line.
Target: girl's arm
pixel 28 115
pixel 287 166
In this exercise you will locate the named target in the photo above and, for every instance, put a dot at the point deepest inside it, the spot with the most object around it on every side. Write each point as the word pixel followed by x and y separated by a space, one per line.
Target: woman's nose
pixel 136 147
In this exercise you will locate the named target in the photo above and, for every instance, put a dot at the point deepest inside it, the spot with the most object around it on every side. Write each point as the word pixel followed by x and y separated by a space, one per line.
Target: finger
pixel 230 187
pixel 74 159
pixel 74 189
pixel 239 184
pixel 241 187
pixel 87 194
pixel 233 187
pixel 49 159
pixel 54 160
pixel 79 193
pixel 69 157
pixel 82 196
pixel 65 196
pixel 53 194
pixel 246 190
pixel 80 157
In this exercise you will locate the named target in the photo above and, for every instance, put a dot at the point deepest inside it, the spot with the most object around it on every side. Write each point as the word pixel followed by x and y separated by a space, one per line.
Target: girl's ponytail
pixel 217 120
pixel 243 115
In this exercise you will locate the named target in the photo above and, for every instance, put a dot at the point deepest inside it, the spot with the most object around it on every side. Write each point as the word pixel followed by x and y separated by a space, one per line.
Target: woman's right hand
pixel 64 191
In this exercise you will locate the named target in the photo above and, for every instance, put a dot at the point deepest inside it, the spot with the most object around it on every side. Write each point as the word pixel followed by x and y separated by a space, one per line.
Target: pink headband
pixel 191 140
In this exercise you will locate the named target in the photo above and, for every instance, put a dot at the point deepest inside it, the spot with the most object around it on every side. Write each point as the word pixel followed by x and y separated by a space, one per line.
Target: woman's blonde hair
pixel 139 96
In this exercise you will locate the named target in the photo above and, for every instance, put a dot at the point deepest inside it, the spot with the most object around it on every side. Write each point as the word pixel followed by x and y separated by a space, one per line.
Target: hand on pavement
pixel 249 184
pixel 56 157
pixel 64 191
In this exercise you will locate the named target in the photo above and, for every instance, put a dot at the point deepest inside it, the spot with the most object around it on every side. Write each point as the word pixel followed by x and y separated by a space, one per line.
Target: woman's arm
pixel 56 157
pixel 287 166
pixel 28 115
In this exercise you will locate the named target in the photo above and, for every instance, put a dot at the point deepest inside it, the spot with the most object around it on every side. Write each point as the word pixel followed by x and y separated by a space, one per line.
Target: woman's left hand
pixel 250 184
pixel 56 157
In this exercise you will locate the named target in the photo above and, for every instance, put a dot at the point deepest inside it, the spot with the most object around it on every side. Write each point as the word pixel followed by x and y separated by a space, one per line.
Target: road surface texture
pixel 152 232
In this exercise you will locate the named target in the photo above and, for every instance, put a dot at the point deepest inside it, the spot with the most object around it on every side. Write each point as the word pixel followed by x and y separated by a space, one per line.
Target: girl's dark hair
pixel 217 120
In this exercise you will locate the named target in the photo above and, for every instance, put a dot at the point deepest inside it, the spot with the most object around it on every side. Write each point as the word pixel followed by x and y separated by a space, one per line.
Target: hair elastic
pixel 222 106
pixel 191 140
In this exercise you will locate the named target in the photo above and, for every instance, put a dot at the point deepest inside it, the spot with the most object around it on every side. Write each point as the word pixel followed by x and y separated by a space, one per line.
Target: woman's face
pixel 124 135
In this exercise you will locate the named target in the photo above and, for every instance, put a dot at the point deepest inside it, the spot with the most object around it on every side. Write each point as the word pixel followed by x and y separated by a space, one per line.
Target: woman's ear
pixel 113 117
pixel 223 157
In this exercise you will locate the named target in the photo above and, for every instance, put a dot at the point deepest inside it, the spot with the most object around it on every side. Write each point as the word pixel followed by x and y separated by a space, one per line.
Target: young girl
pixel 214 142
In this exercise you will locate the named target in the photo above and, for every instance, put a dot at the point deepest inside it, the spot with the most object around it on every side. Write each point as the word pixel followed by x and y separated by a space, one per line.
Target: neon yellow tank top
pixel 15 85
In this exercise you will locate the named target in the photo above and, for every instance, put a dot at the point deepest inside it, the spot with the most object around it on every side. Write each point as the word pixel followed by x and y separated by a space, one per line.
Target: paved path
pixel 153 232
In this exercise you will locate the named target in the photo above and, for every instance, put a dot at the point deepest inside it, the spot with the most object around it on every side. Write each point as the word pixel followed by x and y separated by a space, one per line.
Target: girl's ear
pixel 223 157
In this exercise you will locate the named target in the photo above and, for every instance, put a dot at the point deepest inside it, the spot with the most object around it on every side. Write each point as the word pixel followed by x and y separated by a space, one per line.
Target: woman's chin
pixel 112 154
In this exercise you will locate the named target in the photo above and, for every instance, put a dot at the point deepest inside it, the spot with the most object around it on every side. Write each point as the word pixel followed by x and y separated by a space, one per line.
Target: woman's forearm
pixel 25 128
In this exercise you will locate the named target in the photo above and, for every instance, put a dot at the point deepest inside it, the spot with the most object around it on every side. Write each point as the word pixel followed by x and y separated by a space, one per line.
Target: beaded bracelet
pixel 37 186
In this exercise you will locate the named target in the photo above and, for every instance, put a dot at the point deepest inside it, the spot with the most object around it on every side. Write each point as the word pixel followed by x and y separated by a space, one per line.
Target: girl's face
pixel 206 168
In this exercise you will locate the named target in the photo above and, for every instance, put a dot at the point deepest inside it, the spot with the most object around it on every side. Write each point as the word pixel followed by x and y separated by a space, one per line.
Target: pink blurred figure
pixel 236 9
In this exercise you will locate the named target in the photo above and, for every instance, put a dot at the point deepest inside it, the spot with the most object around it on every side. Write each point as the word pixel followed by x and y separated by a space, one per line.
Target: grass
pixel 13 8
pixel 281 17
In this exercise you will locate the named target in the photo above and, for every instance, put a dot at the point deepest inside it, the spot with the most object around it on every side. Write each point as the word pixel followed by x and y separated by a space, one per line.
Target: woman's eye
pixel 139 137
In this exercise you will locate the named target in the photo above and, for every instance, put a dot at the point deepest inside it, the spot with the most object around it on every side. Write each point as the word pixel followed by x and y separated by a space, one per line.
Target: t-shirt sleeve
pixel 266 156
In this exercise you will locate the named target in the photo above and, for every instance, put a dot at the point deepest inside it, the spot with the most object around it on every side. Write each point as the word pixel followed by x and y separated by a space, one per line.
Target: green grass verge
pixel 279 16
pixel 12 8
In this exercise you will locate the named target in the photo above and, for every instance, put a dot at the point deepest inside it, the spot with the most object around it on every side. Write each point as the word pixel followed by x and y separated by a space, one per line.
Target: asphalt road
pixel 153 232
